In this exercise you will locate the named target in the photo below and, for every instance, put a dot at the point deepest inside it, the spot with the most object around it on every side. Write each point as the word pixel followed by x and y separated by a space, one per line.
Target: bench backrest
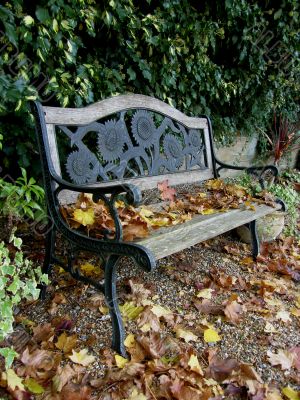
pixel 127 138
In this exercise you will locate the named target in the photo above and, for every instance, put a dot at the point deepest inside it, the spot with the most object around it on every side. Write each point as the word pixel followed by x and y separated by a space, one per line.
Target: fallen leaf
pixel 33 386
pixel 66 343
pixel 166 192
pixel 120 361
pixel 290 393
pixel 187 336
pixel 284 316
pixel 295 351
pixel 220 369
pixel 194 365
pixel 160 311
pixel 84 217
pixel 233 311
pixel 129 341
pixel 130 311
pixel 283 358
pixel 82 357
pixel 205 293
pixel 211 336
pixel 269 328
pixel 63 376
pixel 13 380
pixel 136 395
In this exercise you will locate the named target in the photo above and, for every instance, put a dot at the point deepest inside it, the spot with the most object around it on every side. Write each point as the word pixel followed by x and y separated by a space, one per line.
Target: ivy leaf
pixel 28 20
pixel 131 73
pixel 278 14
pixel 42 14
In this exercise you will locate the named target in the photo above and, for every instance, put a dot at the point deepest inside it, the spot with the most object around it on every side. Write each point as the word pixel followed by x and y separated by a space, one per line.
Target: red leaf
pixel 166 192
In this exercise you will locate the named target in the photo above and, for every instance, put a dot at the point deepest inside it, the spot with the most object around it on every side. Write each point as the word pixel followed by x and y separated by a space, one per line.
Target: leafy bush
pixel 282 190
pixel 234 60
pixel 22 198
pixel 18 281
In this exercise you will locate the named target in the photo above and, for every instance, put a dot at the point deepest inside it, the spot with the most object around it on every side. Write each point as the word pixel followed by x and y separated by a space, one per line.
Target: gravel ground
pixel 173 284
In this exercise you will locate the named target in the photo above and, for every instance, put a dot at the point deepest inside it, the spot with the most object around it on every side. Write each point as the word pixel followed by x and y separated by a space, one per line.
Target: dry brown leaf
pixel 233 312
pixel 283 358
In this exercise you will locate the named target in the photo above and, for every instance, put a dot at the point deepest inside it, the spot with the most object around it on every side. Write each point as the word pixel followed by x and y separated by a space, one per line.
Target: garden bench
pixel 126 144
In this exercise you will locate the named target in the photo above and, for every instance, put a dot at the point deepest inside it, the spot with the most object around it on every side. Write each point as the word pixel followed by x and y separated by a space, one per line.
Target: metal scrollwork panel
pixel 135 143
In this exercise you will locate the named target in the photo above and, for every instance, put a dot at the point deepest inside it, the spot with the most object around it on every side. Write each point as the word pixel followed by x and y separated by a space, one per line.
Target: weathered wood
pixel 104 108
pixel 170 240
pixel 51 135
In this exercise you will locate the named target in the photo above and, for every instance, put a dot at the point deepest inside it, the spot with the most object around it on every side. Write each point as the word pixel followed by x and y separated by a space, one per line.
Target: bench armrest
pixel 262 173
pixel 108 193
pixel 133 193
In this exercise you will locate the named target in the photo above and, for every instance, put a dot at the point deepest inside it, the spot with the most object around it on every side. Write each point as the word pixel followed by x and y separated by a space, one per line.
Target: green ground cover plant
pixel 19 279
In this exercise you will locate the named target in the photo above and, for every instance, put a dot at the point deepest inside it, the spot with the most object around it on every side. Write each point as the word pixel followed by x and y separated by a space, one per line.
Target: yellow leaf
pixel 290 393
pixel 208 211
pixel 269 328
pixel 295 311
pixel 129 341
pixel 211 336
pixel 84 217
pixel 283 316
pixel 130 311
pixel 66 343
pixel 160 311
pixel 135 395
pixel 120 361
pixel 187 336
pixel 88 268
pixel 119 204
pixel 145 212
pixel 205 293
pixel 104 310
pixel 82 357
pixel 194 364
pixel 13 381
pixel 33 386
pixel 297 302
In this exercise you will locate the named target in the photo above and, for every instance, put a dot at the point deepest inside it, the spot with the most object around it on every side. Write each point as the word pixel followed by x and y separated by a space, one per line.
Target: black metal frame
pixel 109 250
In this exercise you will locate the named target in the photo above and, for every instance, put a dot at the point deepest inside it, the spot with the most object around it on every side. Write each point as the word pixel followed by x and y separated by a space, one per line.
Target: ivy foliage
pixel 234 60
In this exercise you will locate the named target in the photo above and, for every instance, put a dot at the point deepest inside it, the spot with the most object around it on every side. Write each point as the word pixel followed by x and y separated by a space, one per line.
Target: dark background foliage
pixel 236 60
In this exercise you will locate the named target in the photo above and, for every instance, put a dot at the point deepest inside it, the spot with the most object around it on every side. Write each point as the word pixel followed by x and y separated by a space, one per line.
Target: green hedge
pixel 235 60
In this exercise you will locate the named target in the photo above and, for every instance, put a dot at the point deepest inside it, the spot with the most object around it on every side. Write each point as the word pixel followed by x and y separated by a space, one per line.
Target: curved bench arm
pixel 108 194
pixel 260 172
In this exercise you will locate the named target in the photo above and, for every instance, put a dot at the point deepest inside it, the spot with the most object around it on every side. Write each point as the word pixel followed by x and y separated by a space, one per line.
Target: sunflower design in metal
pixel 173 150
pixel 82 166
pixel 195 139
pixel 143 128
pixel 111 140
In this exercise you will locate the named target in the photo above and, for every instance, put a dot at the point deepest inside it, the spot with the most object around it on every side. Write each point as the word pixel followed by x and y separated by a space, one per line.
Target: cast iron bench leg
pixel 254 239
pixel 47 265
pixel 112 302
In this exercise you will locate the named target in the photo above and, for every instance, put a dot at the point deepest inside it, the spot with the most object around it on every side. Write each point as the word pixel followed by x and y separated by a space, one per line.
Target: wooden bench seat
pixel 169 240
pixel 125 145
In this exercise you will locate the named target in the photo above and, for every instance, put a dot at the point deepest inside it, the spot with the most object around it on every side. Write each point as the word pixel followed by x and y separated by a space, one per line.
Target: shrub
pixel 22 198
pixel 234 60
